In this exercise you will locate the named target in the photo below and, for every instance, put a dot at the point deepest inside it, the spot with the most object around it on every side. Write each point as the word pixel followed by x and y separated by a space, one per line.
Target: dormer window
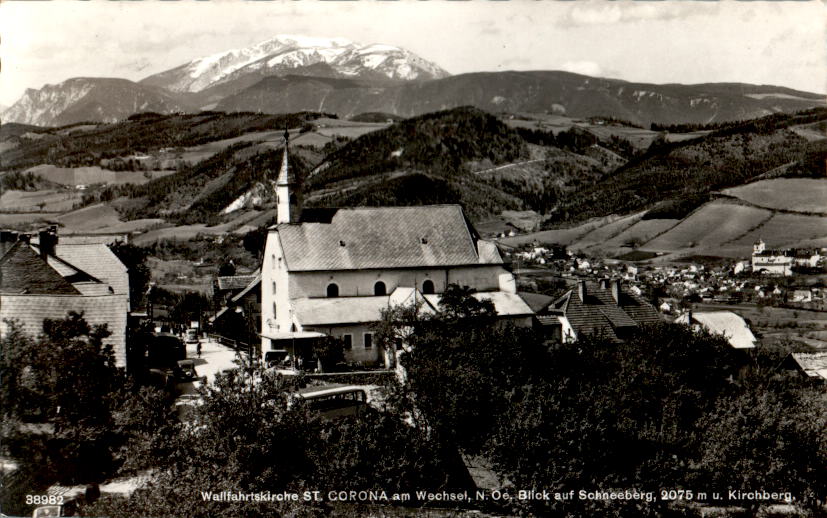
pixel 341 243
pixel 424 240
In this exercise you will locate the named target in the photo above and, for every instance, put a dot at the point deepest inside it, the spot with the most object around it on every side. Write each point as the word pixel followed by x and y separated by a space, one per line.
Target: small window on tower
pixel 332 290
pixel 380 289
pixel 428 287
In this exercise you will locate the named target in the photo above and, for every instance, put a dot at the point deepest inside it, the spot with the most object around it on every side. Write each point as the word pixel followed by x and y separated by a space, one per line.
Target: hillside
pixel 100 99
pixel 390 80
pixel 562 93
pixel 683 174
pixel 142 133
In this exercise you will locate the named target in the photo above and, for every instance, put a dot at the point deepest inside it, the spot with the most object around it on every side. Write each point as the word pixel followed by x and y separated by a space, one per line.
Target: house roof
pixel 726 323
pixel 536 301
pixel 97 260
pixel 236 282
pixel 339 310
pixel 385 237
pixel 22 271
pixel 813 364
pixel 356 310
pixel 599 314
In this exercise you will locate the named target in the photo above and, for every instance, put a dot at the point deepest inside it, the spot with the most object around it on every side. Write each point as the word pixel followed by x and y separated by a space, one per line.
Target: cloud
pixel 604 13
pixel 588 68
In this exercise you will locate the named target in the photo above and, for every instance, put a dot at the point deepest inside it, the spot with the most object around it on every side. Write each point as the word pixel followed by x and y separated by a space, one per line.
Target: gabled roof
pixel 813 364
pixel 236 282
pixel 599 314
pixel 97 260
pixel 726 323
pixel 22 271
pixel 385 237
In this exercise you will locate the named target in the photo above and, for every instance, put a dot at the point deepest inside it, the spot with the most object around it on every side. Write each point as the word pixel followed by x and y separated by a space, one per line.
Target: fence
pixel 237 345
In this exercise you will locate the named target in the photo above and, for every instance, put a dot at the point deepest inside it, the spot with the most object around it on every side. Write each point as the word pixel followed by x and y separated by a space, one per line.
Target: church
pixel 333 271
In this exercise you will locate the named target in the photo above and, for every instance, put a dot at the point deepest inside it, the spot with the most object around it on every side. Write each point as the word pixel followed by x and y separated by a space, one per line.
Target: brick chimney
pixel 47 241
pixel 581 290
pixel 616 291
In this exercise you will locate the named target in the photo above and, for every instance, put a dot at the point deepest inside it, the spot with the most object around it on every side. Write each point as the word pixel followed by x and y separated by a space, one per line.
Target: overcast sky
pixel 780 43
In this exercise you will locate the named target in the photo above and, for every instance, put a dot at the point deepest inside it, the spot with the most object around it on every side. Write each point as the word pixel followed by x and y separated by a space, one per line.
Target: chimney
pixel 47 241
pixel 581 290
pixel 616 291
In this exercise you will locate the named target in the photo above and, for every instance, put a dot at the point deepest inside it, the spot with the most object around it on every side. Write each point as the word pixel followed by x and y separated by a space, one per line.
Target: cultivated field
pixel 640 232
pixel 51 200
pixel 786 230
pixel 91 175
pixel 599 236
pixel 714 224
pixel 799 194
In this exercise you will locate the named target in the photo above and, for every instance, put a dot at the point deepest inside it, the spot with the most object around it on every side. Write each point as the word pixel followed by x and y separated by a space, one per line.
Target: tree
pixel 134 258
pixel 460 364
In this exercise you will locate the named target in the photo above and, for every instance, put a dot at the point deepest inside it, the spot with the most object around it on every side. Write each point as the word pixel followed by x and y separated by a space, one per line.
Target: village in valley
pixel 314 277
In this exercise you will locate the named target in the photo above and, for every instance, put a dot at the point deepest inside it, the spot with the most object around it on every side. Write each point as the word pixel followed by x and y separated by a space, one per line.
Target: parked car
pixel 164 351
pixel 192 336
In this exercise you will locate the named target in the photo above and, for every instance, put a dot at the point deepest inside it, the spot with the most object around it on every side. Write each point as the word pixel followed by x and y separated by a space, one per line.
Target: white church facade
pixel 334 271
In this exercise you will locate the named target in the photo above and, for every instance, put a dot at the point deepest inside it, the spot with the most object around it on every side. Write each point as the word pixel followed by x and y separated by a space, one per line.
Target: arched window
pixel 274 286
pixel 428 287
pixel 379 288
pixel 274 310
pixel 332 290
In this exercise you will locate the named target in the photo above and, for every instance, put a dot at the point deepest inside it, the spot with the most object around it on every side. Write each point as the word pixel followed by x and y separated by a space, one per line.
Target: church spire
pixel 288 193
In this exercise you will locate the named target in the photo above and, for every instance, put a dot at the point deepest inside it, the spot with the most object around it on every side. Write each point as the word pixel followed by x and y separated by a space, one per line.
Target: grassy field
pixel 800 194
pixel 641 232
pixel 786 230
pixel 599 236
pixel 713 224
pixel 90 175
pixel 51 200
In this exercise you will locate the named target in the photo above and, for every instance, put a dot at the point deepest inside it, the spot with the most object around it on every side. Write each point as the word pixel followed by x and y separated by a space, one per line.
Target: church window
pixel 428 287
pixel 274 287
pixel 274 310
pixel 379 288
pixel 332 290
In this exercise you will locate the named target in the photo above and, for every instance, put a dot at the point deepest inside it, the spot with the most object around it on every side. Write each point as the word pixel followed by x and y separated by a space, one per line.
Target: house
pixel 802 296
pixel 812 365
pixel 333 271
pixel 600 309
pixel 726 323
pixel 48 280
pixel 240 315
pixel 227 287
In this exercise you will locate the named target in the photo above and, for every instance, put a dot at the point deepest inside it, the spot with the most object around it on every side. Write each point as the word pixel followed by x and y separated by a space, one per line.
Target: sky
pixel 674 41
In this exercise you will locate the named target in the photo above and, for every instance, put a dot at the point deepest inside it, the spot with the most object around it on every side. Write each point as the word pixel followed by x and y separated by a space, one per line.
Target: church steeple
pixel 288 192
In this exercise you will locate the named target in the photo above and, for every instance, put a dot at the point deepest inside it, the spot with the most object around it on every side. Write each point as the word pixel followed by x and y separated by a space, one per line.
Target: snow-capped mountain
pixel 284 53
pixel 89 99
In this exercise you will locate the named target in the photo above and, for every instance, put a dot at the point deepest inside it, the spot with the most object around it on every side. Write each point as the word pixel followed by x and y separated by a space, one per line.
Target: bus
pixel 335 400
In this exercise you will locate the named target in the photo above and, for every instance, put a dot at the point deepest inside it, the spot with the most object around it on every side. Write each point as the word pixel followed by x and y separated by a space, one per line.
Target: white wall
pixel 354 283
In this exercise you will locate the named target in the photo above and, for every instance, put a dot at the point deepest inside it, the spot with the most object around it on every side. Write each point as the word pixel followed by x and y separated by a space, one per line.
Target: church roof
pixel 385 237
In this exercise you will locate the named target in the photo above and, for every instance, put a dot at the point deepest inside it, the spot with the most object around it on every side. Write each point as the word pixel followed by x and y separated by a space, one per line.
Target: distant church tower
pixel 288 190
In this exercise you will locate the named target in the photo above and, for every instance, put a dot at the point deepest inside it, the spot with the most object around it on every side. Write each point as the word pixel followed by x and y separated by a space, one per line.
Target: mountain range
pixel 297 73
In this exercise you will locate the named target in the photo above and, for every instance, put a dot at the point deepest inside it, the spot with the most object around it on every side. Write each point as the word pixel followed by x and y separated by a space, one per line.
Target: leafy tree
pixel 134 258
